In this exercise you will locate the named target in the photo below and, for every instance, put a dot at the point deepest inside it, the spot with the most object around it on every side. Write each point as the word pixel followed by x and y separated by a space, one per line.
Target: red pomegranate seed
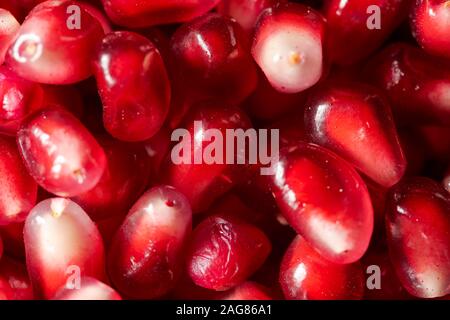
pixel 246 12
pixel 61 244
pixel 146 13
pixel 355 121
pixel 204 183
pixel 8 30
pixel 213 59
pixel 90 289
pixel 305 275
pixel 61 155
pixel 247 291
pixel 157 149
pixel 146 255
pixel 418 224
pixel 288 47
pixel 14 281
pixel 418 85
pixel 325 200
pixel 353 31
pixel 133 84
pixel 52 48
pixel 18 191
pixel 430 23
pixel 224 252
pixel 125 177
pixel 390 287
pixel 14 7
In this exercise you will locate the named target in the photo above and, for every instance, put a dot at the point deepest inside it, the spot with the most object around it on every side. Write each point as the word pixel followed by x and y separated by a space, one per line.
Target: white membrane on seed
pixel 330 234
pixel 275 59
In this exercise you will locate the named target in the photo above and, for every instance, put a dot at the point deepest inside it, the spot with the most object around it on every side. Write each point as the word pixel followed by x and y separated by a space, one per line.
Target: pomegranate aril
pixel 417 84
pixel 125 177
pixel 325 200
pixel 18 191
pixel 246 12
pixel 204 183
pixel 8 30
pixel 61 244
pixel 146 255
pixel 288 47
pixel 350 38
pixel 51 48
pixel 305 275
pixel 418 224
pixel 90 289
pixel 157 149
pixel 430 23
pixel 355 121
pixel 224 252
pixel 61 155
pixel 14 281
pixel 18 98
pixel 146 13
pixel 213 60
pixel 133 84
pixel 390 286
pixel 247 291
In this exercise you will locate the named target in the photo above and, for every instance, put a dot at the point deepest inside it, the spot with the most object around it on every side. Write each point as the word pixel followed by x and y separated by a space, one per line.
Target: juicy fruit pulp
pixel 355 121
pixel 288 47
pixel 145 13
pixel 133 85
pixel 60 154
pixel 417 222
pixel 325 200
pixel 224 252
pixel 61 242
pixel 49 50
pixel 305 275
pixel 101 101
pixel 145 258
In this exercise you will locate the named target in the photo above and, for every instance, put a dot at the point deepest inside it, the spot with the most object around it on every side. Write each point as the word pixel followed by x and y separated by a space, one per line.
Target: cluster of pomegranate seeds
pixel 117 180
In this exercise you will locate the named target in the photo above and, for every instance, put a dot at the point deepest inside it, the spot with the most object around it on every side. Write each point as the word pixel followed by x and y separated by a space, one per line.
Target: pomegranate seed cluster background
pixel 224 149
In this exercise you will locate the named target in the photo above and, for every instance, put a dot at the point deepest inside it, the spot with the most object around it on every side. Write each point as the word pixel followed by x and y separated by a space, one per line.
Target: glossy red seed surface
pixel 8 30
pixel 325 200
pixel 358 28
pixel 416 83
pixel 61 155
pixel 430 23
pixel 133 85
pixel 305 275
pixel 146 255
pixel 203 183
pixel 61 243
pixel 125 177
pixel 224 252
pixel 418 222
pixel 18 191
pixel 145 13
pixel 212 59
pixel 355 121
pixel 50 48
